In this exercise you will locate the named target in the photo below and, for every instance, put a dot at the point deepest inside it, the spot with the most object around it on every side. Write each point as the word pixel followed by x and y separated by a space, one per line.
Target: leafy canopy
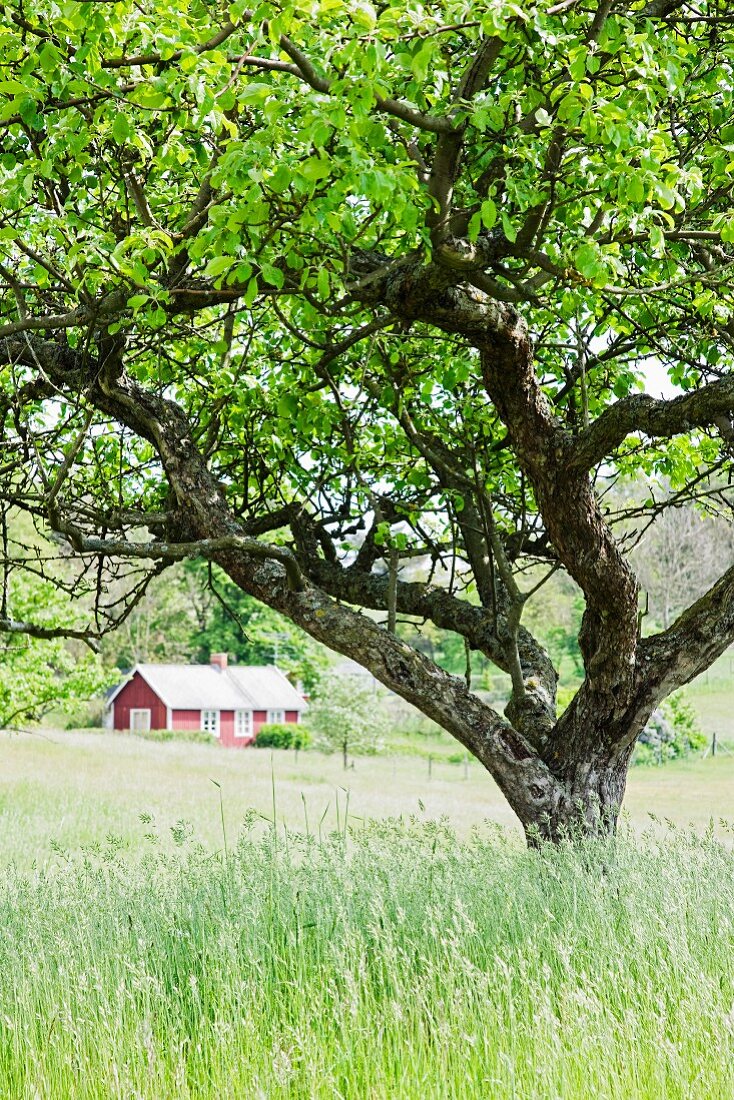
pixel 254 152
pixel 294 221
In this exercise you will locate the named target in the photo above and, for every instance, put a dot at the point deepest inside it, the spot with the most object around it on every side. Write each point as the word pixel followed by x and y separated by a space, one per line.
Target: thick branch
pixel 446 160
pixel 694 641
pixel 566 500
pixel 178 551
pixel 303 68
pixel 139 60
pixel 654 417
pixel 48 633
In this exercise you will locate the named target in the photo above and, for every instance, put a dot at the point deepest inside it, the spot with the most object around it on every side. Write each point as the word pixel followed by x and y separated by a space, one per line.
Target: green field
pixel 76 788
pixel 342 956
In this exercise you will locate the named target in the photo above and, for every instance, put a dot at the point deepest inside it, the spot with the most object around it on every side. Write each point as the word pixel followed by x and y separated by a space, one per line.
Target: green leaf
pixel 509 229
pixel 586 260
pixel 635 187
pixel 218 265
pixel 253 92
pixel 272 275
pixel 657 239
pixel 121 128
pixel 488 213
pixel 287 406
pixel 251 293
pixel 323 282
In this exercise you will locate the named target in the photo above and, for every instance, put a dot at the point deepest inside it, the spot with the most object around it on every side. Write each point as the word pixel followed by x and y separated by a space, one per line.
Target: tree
pixel 193 610
pixel 317 291
pixel 680 557
pixel 345 716
pixel 37 675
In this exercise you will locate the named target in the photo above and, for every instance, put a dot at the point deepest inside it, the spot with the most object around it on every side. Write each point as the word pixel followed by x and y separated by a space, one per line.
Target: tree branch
pixel 303 68
pixel 177 551
pixel 654 417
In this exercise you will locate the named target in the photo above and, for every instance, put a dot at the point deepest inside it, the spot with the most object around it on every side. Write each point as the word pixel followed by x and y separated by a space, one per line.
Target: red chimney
pixel 219 660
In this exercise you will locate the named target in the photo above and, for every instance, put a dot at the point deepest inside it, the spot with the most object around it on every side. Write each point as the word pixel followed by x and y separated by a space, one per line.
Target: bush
pixel 671 733
pixel 276 735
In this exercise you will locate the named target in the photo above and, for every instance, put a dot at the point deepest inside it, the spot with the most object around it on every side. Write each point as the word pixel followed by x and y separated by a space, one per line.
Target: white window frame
pixel 135 712
pixel 210 722
pixel 276 717
pixel 243 723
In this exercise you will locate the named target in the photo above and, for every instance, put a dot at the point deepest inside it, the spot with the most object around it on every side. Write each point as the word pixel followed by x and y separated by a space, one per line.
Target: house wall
pixel 186 719
pixel 226 730
pixel 136 695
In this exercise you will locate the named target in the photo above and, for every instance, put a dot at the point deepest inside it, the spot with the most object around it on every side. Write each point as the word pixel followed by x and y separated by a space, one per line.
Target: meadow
pixel 76 788
pixel 183 921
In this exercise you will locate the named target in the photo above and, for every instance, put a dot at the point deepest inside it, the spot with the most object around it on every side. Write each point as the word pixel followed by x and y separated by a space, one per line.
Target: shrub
pixel 671 733
pixel 276 735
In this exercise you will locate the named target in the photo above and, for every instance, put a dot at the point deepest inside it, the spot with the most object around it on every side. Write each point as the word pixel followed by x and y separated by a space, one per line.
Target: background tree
pixel 681 555
pixel 345 716
pixel 50 671
pixel 194 610
pixel 319 290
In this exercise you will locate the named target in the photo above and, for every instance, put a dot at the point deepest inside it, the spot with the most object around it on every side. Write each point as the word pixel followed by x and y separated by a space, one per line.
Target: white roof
pixel 206 687
pixel 267 686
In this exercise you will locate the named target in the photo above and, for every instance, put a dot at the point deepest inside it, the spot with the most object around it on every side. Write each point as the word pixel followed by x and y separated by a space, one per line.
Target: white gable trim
pixel 111 698
pixel 302 702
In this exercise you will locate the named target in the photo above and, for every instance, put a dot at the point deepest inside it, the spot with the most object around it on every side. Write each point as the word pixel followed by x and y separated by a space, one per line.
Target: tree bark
pixel 591 801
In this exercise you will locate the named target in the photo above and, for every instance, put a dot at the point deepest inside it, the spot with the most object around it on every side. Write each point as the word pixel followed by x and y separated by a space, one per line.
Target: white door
pixel 139 719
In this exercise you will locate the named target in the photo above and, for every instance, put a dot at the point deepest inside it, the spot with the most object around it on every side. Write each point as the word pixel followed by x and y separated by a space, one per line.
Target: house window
pixel 210 721
pixel 139 719
pixel 243 723
pixel 276 716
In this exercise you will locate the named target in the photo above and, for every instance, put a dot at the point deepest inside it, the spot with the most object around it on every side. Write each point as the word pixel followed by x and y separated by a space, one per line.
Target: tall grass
pixel 395 962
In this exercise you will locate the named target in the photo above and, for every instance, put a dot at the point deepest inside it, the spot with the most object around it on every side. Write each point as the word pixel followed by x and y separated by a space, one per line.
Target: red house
pixel 230 702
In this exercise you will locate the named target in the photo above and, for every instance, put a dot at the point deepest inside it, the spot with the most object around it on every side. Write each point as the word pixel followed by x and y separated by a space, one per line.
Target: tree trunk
pixel 589 805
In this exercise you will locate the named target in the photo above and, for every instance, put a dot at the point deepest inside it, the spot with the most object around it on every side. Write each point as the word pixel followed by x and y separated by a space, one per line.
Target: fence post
pixel 713 743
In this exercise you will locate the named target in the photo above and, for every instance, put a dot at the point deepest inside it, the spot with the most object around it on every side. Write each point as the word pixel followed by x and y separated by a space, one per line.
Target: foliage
pixel 344 715
pixel 190 612
pixel 192 974
pixel 37 676
pixel 672 732
pixel 275 735
pixel 555 619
